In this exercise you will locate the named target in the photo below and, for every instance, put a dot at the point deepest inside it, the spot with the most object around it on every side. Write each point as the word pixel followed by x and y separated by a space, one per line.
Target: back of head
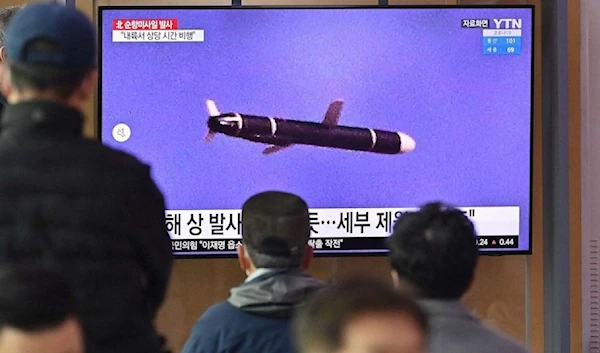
pixel 50 47
pixel 275 229
pixel 434 251
pixel 33 299
pixel 320 322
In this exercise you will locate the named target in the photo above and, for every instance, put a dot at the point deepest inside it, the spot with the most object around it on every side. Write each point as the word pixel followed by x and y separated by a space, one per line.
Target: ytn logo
pixel 508 23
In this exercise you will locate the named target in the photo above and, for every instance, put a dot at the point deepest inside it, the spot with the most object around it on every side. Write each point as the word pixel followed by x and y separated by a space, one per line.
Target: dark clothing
pixel 453 329
pixel 255 318
pixel 2 103
pixel 92 213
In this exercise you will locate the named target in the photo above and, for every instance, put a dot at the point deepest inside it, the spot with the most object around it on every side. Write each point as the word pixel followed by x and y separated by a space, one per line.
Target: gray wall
pixel 555 176
pixel 590 170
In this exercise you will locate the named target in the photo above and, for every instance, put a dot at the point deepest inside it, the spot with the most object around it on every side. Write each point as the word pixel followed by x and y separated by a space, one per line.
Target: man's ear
pixel 5 84
pixel 2 54
pixel 395 279
pixel 308 256
pixel 242 259
pixel 88 85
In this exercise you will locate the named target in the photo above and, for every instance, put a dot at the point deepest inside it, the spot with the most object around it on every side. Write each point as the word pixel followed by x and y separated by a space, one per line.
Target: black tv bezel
pixel 233 7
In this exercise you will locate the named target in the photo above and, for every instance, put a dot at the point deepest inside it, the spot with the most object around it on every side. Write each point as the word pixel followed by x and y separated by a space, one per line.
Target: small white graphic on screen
pixel 121 132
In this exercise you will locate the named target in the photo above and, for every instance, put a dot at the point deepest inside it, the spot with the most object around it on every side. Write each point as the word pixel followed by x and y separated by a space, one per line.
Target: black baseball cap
pixel 66 26
pixel 276 223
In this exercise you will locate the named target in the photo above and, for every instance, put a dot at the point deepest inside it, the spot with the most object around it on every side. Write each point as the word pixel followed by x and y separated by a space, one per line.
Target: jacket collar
pixel 274 294
pixel 260 272
pixel 40 118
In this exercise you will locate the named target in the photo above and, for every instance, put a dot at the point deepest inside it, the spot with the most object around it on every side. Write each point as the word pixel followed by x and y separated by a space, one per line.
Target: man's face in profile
pixel 65 338
pixel 386 332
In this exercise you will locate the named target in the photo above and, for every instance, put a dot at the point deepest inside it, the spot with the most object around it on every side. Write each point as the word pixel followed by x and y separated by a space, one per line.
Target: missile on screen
pixel 282 133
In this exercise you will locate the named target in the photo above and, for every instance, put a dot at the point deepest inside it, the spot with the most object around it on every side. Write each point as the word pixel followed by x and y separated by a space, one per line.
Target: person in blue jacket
pixel 275 252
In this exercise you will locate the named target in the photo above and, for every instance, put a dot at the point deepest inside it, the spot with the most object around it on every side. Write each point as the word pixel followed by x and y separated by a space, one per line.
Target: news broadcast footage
pixel 456 80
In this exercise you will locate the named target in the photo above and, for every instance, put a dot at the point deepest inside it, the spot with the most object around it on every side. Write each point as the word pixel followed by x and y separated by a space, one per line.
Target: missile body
pixel 281 133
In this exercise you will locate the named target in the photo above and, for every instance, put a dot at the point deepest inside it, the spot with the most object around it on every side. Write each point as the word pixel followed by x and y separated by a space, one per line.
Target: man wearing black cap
pixel 275 251
pixel 71 204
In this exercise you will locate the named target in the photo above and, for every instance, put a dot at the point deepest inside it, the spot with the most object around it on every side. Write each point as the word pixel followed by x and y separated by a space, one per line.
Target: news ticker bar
pixel 501 242
pixel 150 36
pixel 134 24
pixel 191 247
pixel 197 35
pixel 333 222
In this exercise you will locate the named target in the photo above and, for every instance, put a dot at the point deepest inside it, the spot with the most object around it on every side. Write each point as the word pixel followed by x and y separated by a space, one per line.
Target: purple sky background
pixel 410 70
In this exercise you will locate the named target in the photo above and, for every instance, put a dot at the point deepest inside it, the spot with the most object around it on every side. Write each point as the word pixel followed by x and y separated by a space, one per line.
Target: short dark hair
pixel 6 13
pixel 275 229
pixel 34 299
pixel 434 249
pixel 322 319
pixel 63 82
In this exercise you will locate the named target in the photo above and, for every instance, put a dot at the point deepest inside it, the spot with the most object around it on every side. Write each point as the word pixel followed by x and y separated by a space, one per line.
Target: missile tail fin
pixel 213 111
pixel 273 149
pixel 209 136
pixel 332 116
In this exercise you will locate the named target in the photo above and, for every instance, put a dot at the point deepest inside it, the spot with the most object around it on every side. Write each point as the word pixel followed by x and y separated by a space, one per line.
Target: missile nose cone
pixel 407 143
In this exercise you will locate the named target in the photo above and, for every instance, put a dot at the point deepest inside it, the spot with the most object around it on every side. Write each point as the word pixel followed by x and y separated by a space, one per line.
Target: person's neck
pixel 259 272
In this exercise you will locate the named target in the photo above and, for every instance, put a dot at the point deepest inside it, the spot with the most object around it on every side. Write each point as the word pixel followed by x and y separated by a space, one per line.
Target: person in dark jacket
pixel 256 317
pixel 71 204
pixel 6 13
pixel 434 254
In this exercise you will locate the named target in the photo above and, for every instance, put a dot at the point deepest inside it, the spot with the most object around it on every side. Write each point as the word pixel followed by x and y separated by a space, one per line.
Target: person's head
pixel 433 252
pixel 50 55
pixel 6 13
pixel 360 316
pixel 275 232
pixel 37 313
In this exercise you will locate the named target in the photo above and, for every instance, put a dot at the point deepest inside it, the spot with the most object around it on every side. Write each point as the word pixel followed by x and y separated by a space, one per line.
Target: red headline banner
pixel 144 24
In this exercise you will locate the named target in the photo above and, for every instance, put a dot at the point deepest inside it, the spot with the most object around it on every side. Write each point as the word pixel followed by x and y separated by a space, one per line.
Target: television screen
pixel 365 113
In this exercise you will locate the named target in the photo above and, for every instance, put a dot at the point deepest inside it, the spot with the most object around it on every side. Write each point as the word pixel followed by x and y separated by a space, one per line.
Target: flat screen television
pixel 365 112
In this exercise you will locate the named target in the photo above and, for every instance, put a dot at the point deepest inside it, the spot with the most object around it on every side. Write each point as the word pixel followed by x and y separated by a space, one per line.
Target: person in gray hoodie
pixel 275 252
